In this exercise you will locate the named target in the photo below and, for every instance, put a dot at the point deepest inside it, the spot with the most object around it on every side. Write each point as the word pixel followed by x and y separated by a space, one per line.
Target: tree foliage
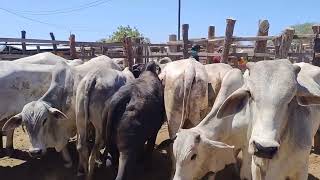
pixel 121 33
pixel 305 28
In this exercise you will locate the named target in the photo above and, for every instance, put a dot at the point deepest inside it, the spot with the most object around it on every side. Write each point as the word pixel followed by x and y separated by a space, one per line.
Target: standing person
pixel 194 52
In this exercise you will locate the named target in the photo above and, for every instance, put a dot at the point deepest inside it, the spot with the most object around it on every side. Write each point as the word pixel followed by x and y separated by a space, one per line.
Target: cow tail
pixel 189 77
pixel 117 102
pixel 89 85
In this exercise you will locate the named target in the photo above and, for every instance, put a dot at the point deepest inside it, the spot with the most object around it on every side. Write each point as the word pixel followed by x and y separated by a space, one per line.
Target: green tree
pixel 121 33
pixel 305 28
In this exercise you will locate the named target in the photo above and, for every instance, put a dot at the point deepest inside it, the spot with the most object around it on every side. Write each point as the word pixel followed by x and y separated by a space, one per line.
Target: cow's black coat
pixel 135 115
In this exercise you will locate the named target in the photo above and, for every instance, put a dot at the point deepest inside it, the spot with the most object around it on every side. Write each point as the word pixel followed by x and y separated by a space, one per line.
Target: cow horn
pixel 57 111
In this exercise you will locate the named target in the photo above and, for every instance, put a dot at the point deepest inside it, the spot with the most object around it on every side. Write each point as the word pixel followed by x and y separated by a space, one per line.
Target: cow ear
pixel 234 103
pixel 13 122
pixel 57 113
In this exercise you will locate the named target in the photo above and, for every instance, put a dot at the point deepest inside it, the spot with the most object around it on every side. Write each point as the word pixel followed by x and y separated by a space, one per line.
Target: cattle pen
pixel 296 47
pixel 229 48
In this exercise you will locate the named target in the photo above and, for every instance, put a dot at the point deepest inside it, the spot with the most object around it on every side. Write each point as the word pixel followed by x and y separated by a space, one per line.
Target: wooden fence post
pixel 210 46
pixel 277 42
pixel 92 51
pixel 82 52
pixel 139 50
pixel 103 50
pixel 53 45
pixel 261 46
pixel 38 49
pixel 228 40
pixel 185 37
pixel 23 36
pixel 128 52
pixel 72 44
pixel 286 40
pixel 316 49
pixel 173 49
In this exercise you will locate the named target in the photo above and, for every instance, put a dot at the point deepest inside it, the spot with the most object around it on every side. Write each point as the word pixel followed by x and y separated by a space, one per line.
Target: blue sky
pixel 156 19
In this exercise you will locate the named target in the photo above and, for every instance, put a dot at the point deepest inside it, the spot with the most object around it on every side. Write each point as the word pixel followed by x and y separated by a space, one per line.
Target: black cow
pixel 135 115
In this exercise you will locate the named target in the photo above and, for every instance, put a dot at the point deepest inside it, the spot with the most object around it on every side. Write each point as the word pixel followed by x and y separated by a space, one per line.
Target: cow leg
pixel 245 170
pixel 98 143
pixel 83 151
pixel 317 141
pixel 302 172
pixel 9 143
pixel 126 165
pixel 256 173
pixel 1 142
pixel 66 157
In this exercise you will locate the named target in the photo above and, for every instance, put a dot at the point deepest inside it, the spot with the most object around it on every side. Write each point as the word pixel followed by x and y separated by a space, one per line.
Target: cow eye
pixel 44 121
pixel 193 157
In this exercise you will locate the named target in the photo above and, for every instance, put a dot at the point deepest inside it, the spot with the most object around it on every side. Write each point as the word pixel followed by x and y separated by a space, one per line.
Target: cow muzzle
pixel 35 152
pixel 267 152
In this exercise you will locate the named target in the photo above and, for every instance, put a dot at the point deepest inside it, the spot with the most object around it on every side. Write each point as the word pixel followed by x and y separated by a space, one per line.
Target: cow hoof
pixel 80 174
pixel 68 165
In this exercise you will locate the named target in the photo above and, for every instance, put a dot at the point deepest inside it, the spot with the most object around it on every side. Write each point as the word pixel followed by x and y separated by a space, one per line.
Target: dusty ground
pixel 50 167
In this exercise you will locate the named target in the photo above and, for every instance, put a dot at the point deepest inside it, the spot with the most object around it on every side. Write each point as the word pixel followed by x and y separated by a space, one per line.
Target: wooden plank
pixel 94 44
pixel 210 46
pixel 72 44
pixel 38 49
pixel 128 52
pixel 23 36
pixel 173 49
pixel 185 37
pixel 228 40
pixel 54 46
pixel 316 51
pixel 261 46
pixel 12 56
pixel 286 41
pixel 254 38
pixel 139 51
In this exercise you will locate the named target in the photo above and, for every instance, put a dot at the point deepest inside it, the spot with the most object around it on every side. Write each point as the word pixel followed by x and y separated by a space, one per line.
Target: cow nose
pixel 35 152
pixel 264 152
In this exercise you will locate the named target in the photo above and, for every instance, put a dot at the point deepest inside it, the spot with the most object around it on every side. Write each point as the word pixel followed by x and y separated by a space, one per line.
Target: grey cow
pixel 135 115
pixel 50 121
pixel 94 91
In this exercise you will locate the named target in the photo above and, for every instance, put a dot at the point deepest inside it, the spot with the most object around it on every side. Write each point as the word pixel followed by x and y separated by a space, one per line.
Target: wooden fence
pixel 297 47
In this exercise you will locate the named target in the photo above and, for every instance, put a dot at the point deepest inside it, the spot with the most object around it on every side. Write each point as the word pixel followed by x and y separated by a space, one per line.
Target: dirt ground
pixel 50 167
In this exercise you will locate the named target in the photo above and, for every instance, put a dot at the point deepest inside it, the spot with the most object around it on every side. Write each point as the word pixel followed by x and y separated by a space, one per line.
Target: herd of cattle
pixel 270 113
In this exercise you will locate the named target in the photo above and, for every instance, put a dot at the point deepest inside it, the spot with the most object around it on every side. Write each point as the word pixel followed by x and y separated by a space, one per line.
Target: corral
pixel 50 167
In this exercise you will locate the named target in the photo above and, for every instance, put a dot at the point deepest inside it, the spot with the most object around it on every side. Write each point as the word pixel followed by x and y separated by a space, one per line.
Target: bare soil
pixel 50 167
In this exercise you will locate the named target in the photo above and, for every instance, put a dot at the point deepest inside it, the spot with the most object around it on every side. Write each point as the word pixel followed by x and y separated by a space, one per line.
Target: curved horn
pixel 57 112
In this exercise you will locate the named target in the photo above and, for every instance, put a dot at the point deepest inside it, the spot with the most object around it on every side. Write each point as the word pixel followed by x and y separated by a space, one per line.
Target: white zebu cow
pixel 93 94
pixel 20 84
pixel 12 75
pixel 198 150
pixel 281 102
pixel 46 125
pixel 47 58
pixel 185 93
pixel 41 58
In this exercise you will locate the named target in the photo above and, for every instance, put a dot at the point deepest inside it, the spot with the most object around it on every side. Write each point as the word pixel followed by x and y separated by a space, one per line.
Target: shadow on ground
pixel 50 167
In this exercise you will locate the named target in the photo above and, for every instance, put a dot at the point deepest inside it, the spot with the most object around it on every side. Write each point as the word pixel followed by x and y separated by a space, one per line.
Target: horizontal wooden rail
pixel 93 44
